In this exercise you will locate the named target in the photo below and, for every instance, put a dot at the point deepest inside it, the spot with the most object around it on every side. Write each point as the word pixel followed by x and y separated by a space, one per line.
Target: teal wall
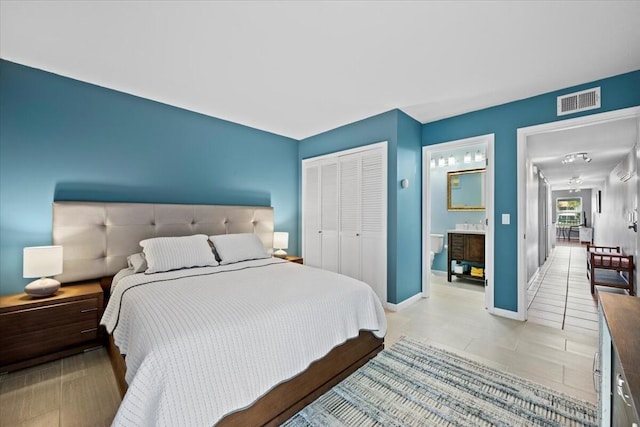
pixel 403 136
pixel 409 209
pixel 62 139
pixel 618 92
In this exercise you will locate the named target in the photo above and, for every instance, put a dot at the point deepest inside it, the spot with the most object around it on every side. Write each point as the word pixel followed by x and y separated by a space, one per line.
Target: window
pixel 569 211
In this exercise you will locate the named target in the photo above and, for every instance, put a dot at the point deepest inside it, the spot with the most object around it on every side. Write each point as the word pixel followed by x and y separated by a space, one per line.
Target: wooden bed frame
pixel 286 399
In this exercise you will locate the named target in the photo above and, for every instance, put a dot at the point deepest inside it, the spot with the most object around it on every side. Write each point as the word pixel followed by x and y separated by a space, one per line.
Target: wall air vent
pixel 579 101
pixel 626 168
pixel 623 174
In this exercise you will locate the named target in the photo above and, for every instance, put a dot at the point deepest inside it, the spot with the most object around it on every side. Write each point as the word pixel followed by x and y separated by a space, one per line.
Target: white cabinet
pixel 585 234
pixel 619 391
pixel 345 214
pixel 602 376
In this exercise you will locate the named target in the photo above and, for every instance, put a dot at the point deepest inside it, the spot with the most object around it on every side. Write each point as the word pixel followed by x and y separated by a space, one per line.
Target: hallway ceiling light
pixel 467 157
pixel 479 156
pixel 575 180
pixel 570 158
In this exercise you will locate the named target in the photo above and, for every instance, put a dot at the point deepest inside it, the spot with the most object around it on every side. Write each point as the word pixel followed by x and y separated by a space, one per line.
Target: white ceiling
pixel 606 144
pixel 301 68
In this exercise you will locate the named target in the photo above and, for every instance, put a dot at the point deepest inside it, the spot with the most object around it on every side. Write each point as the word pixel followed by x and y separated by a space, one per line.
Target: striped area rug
pixel 414 384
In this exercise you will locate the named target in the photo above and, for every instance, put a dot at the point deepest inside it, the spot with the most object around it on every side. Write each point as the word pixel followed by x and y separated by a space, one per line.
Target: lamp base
pixel 280 253
pixel 43 287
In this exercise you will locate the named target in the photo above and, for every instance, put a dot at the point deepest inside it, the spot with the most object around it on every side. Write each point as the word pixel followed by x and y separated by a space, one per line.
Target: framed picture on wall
pixel 599 201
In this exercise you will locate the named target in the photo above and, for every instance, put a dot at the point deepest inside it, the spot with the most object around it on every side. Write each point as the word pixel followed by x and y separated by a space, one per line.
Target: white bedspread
pixel 204 342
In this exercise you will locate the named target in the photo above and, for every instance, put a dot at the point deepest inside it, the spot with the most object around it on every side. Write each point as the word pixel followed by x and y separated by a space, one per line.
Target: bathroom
pixel 450 211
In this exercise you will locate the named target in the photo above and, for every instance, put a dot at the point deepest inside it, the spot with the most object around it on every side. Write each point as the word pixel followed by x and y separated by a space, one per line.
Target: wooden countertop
pixel 456 231
pixel 622 313
pixel 70 292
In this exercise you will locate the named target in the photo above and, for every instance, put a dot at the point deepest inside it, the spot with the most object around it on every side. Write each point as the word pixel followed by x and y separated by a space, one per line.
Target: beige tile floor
pixel 454 317
pixel 560 295
pixel 555 347
pixel 81 390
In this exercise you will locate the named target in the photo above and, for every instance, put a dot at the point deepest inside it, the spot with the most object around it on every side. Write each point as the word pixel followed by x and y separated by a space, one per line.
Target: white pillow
pixel 173 253
pixel 238 247
pixel 137 262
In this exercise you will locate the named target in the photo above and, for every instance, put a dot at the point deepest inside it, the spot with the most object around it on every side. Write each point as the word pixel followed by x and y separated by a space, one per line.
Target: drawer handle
pixel 624 396
pixel 88 310
pixel 86 331
pixel 596 372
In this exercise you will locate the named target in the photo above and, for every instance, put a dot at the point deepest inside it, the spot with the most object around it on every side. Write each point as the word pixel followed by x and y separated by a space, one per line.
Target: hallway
pixel 560 297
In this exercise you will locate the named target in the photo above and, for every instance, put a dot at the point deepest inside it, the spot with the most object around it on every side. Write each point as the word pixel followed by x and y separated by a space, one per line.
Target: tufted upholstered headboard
pixel 97 237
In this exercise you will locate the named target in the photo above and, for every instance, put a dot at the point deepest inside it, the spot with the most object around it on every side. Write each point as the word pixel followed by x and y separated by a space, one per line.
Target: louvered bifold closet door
pixel 311 206
pixel 329 215
pixel 373 198
pixel 350 215
pixel 344 214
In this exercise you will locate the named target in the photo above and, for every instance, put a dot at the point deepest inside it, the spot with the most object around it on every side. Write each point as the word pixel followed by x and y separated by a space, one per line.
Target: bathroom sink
pixel 470 227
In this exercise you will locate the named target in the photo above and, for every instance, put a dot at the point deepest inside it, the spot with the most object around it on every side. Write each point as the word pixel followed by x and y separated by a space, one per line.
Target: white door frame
pixel 489 211
pixel 523 134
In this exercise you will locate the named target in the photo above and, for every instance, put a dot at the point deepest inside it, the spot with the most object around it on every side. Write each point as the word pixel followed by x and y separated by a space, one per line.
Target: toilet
pixel 436 245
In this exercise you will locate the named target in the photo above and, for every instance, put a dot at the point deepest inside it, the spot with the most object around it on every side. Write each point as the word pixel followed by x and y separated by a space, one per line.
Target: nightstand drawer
pixel 37 330
pixel 45 340
pixel 51 316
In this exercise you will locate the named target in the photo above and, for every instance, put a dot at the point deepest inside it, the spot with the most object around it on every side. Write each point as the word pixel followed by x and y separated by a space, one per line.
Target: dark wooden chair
pixel 599 249
pixel 607 266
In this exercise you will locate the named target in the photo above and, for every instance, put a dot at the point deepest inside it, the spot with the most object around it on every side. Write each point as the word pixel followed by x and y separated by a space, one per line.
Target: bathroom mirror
pixel 465 190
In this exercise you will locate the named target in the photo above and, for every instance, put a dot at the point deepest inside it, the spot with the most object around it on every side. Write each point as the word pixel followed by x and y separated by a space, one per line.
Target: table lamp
pixel 42 261
pixel 280 242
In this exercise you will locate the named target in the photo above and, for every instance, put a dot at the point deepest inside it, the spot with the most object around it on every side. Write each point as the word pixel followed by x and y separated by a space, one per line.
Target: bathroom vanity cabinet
pixel 465 247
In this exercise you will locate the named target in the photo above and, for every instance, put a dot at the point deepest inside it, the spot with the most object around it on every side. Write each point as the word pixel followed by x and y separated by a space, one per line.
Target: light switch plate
pixel 506 219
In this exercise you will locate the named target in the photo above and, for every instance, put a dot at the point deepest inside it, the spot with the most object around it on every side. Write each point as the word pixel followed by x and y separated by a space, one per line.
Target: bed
pixel 247 343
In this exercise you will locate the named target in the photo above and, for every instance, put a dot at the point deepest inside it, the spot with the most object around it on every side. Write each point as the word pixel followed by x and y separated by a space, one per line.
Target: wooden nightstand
pixel 37 330
pixel 296 259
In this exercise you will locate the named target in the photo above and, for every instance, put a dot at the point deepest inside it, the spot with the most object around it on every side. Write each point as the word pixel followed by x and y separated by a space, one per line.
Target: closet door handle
pixel 319 231
pixel 357 234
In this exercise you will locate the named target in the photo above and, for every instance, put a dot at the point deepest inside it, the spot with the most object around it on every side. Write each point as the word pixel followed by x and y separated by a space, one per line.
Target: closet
pixel 344 214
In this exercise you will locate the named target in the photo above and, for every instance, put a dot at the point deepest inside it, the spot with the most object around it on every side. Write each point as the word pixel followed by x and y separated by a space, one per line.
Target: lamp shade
pixel 42 261
pixel 281 240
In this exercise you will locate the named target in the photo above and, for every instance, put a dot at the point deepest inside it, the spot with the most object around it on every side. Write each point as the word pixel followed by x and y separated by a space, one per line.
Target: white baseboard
pixel 507 313
pixel 534 276
pixel 439 272
pixel 405 303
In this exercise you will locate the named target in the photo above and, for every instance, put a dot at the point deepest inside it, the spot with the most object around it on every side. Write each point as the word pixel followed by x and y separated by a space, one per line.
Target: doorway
pixel 526 141
pixel 436 159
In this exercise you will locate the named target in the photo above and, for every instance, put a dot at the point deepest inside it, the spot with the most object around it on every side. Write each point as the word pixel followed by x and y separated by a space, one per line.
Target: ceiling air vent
pixel 579 101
